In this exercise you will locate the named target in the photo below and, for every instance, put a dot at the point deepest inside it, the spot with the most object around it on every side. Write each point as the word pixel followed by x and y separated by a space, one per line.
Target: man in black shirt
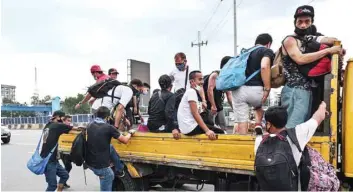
pixel 99 135
pixel 51 134
pixel 161 109
pixel 215 97
pixel 257 89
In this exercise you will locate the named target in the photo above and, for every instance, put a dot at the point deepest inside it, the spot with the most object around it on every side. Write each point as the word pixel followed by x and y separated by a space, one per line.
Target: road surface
pixel 16 177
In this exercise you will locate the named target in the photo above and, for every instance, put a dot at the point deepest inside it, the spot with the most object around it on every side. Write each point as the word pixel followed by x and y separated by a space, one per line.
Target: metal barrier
pixel 80 118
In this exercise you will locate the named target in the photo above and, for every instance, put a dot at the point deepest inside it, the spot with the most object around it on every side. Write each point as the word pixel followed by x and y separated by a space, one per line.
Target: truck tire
pixel 6 140
pixel 125 183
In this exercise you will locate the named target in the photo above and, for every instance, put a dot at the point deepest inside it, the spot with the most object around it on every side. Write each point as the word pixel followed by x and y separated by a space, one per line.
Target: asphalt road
pixel 16 177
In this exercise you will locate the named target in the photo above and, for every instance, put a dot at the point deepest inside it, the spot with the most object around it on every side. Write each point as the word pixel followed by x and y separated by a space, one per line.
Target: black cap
pixel 304 10
pixel 58 113
pixel 112 70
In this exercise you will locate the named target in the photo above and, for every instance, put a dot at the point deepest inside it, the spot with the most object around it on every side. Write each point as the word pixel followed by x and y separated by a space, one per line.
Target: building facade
pixel 8 92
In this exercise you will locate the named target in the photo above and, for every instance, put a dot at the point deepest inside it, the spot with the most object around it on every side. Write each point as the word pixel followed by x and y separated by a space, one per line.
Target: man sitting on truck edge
pixel 276 118
pixel 255 91
pixel 189 119
pixel 161 109
pixel 99 135
pixel 215 97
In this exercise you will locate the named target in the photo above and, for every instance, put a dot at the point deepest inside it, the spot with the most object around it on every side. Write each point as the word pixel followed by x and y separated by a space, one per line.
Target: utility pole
pixel 199 44
pixel 235 28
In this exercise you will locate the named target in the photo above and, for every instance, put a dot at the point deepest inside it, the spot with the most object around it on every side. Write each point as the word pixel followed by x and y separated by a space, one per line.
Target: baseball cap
pixel 58 113
pixel 95 68
pixel 304 10
pixel 112 70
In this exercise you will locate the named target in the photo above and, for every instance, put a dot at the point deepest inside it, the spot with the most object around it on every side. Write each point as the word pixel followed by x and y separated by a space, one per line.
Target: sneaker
pixel 66 185
pixel 258 130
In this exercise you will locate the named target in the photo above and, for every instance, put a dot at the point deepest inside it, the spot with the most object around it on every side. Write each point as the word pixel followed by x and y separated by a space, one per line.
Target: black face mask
pixel 303 32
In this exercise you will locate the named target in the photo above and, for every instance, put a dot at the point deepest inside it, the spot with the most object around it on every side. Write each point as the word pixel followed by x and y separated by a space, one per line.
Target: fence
pixel 81 118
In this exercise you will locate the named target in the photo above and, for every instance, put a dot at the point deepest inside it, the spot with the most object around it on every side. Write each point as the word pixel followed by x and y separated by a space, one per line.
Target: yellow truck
pixel 228 162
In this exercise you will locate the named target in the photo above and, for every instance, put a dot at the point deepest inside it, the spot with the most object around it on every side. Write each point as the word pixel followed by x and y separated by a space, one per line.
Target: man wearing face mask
pixel 52 132
pixel 189 119
pixel 297 91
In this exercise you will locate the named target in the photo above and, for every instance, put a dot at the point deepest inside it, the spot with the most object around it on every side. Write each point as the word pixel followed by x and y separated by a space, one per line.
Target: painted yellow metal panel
pixel 333 104
pixel 228 152
pixel 347 119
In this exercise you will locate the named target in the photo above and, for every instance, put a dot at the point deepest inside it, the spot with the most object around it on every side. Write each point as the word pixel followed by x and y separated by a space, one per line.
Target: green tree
pixel 69 105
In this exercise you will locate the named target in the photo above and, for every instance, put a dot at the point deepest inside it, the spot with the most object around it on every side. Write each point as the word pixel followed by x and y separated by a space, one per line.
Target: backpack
pixel 232 75
pixel 78 149
pixel 277 74
pixel 275 167
pixel 322 175
pixel 100 89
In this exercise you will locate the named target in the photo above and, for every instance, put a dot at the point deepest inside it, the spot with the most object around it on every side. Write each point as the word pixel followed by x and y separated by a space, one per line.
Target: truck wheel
pixel 124 183
pixel 143 183
pixel 6 140
pixel 221 185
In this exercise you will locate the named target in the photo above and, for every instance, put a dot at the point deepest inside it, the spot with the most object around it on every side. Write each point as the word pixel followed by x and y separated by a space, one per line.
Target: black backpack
pixel 78 149
pixel 100 89
pixel 275 167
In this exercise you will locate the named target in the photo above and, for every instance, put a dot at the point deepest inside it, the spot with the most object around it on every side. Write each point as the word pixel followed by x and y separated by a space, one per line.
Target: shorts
pixel 242 98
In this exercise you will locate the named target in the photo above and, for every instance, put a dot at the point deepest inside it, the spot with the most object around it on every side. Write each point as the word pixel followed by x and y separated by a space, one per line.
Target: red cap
pixel 95 68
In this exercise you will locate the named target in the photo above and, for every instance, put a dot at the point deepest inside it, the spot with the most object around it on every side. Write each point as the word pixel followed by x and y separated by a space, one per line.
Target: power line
pixel 214 12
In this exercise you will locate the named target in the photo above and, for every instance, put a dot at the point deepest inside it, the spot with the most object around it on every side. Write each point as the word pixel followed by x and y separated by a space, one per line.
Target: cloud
pixel 63 38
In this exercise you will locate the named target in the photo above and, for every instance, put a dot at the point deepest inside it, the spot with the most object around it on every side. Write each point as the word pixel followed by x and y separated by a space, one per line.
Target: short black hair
pixel 147 85
pixel 67 117
pixel 136 82
pixel 103 112
pixel 225 60
pixel 193 74
pixel 165 82
pixel 263 39
pixel 181 55
pixel 277 116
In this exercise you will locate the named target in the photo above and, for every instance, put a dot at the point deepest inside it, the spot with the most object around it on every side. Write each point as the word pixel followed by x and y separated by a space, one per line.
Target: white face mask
pixel 198 88
pixel 145 92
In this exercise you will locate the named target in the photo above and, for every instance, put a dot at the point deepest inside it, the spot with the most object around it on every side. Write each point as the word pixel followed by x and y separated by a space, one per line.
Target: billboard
pixel 139 70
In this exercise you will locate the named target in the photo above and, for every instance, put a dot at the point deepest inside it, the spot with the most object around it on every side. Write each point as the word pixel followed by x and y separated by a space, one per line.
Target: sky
pixel 63 38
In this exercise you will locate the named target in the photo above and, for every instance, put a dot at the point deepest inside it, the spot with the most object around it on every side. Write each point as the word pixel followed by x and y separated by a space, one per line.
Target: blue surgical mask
pixel 180 66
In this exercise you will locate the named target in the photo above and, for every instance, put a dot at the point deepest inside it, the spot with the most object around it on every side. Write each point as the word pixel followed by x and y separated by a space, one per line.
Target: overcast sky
pixel 63 38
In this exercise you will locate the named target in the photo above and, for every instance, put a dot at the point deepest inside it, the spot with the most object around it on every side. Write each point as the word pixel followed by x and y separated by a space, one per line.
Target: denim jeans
pixel 106 177
pixel 298 102
pixel 52 170
pixel 114 156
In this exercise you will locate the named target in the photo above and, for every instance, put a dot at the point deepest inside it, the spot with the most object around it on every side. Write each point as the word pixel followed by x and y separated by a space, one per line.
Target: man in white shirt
pixel 189 119
pixel 117 100
pixel 276 118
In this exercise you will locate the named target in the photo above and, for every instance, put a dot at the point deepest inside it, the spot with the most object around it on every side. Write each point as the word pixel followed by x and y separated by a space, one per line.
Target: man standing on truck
pixel 113 73
pixel 276 118
pixel 161 109
pixel 189 119
pixel 297 91
pixel 52 131
pixel 99 135
pixel 215 97
pixel 255 91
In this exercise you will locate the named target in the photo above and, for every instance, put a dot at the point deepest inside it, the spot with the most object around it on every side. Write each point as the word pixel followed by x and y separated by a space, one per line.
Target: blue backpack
pixel 232 75
pixel 36 163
